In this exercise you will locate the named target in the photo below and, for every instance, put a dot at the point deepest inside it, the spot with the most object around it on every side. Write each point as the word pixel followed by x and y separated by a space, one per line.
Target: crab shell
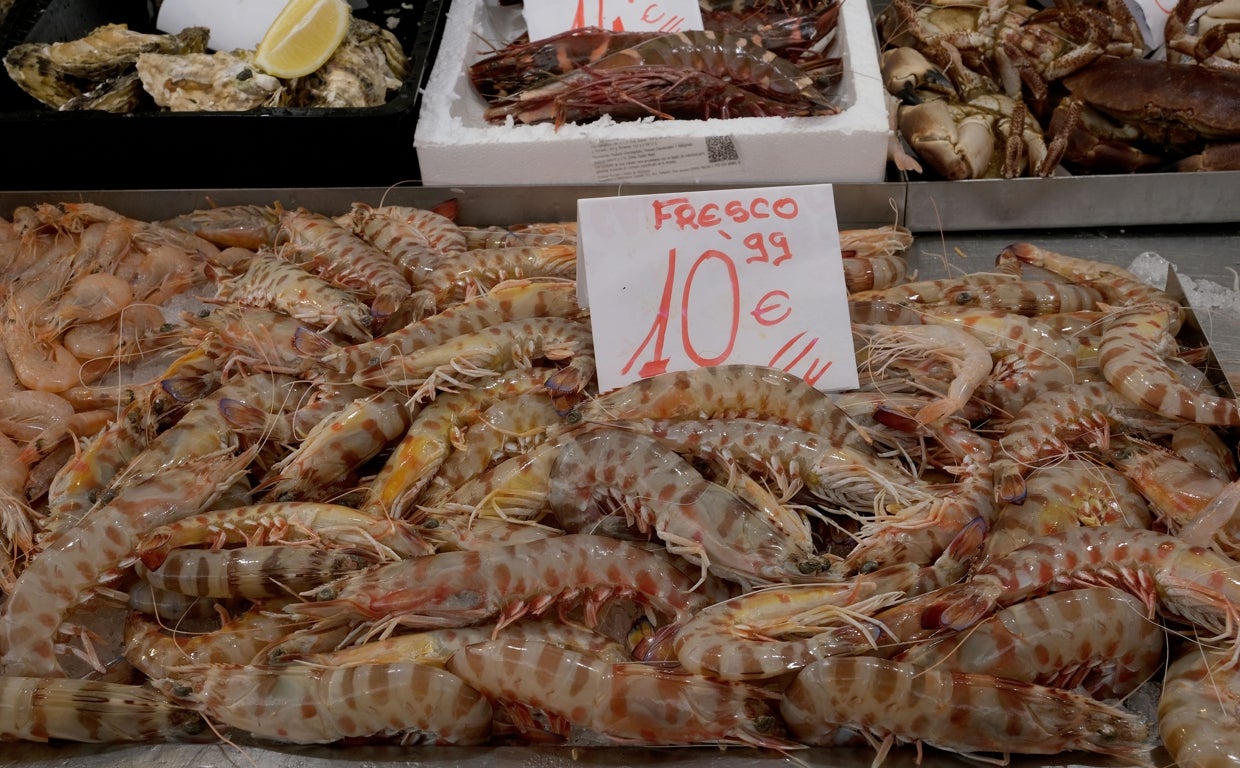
pixel 1170 103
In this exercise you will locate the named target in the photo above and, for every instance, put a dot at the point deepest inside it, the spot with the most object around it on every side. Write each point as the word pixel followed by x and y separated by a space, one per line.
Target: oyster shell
pixel 219 82
pixel 54 73
pixel 368 64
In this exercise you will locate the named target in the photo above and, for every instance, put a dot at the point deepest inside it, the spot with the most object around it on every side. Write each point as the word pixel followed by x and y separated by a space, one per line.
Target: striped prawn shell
pixel 955 711
pixel 459 588
pixel 92 711
pixel 1132 351
pixel 1099 639
pixel 272 283
pixel 341 257
pixel 301 704
pixel 630 703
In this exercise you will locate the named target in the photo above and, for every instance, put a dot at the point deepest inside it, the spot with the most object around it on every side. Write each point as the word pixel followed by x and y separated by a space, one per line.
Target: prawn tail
pixel 958 608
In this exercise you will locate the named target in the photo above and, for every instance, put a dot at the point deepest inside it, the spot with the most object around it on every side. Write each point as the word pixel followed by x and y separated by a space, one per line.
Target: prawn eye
pixel 202 313
pixel 326 593
pixel 809 566
pixel 431 524
pixel 764 724
pixel 963 298
pixel 869 566
pixel 573 416
pixel 182 691
pixel 1107 731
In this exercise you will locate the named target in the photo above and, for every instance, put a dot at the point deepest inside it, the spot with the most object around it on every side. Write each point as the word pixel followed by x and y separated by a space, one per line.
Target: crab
pixel 985 135
pixel 1127 114
pixel 1009 45
pixel 1205 31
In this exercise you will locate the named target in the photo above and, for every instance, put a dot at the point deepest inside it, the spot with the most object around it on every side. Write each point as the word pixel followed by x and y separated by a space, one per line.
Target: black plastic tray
pixel 278 147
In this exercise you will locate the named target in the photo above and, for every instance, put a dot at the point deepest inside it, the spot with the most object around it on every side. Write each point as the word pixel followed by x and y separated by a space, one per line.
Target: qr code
pixel 720 149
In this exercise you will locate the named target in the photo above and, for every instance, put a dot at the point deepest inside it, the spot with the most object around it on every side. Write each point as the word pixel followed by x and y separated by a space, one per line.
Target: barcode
pixel 720 149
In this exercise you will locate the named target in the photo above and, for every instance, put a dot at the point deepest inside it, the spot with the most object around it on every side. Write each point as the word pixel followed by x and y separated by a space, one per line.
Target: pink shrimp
pixel 510 427
pixel 238 640
pixel 418 455
pixel 1176 489
pixel 228 226
pixel 459 588
pixel 416 703
pixel 922 532
pixel 629 703
pixel 1118 286
pixel 263 340
pixel 1050 425
pixel 794 459
pixel 1113 646
pixel 892 703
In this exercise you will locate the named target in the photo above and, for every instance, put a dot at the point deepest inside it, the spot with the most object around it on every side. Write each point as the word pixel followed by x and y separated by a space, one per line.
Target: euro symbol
pixel 771 303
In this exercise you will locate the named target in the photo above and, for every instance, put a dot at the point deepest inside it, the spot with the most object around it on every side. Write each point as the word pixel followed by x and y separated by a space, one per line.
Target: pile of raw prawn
pixel 275 475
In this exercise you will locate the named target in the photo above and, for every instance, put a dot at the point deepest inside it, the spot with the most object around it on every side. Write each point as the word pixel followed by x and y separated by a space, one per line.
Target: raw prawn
pixel 459 588
pixel 1113 646
pixel 273 283
pixel 330 250
pixel 510 300
pixel 1197 706
pixel 76 559
pixel 1134 343
pixel 657 490
pixel 629 703
pixel 1185 583
pixel 92 711
pixel 743 391
pixel 892 703
pixel 330 525
pixel 417 703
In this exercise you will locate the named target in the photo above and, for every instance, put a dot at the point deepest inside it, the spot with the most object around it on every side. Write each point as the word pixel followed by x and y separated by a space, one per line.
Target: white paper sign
pixel 677 281
pixel 1151 17
pixel 544 18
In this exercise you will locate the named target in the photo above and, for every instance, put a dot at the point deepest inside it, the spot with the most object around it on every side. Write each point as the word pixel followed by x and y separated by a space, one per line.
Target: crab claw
pixel 912 77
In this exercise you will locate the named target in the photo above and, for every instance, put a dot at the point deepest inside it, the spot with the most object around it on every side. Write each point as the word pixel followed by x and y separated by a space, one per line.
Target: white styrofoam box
pixel 456 146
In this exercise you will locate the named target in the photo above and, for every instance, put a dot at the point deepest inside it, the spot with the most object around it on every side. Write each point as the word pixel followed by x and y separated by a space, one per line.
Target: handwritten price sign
pixel 683 280
pixel 544 18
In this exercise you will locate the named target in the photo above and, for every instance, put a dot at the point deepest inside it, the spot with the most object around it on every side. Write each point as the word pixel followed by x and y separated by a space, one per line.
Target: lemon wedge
pixel 303 36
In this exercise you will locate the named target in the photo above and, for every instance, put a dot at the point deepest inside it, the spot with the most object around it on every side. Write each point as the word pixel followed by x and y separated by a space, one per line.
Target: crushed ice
pixel 1152 268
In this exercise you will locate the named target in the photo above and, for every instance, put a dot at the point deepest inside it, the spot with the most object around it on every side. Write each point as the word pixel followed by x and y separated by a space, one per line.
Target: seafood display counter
pixel 1202 258
pixel 212 144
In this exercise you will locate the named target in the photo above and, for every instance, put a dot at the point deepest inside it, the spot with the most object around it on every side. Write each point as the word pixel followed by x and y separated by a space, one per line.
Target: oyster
pixel 367 65
pixel 220 82
pixel 122 95
pixel 54 73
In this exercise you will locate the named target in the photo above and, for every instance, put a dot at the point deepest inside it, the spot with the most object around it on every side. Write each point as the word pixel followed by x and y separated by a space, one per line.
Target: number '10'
pixel 657 363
